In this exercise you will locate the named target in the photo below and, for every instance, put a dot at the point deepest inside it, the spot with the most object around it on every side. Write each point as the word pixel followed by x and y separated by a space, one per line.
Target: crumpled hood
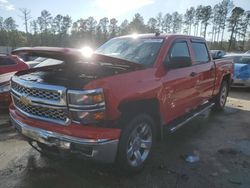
pixel 75 71
pixel 69 55
pixel 242 71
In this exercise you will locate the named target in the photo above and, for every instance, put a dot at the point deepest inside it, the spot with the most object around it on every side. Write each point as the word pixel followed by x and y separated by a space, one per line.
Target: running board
pixel 190 117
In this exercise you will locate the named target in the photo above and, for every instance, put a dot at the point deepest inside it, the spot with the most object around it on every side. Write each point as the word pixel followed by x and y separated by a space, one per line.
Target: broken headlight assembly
pixel 86 106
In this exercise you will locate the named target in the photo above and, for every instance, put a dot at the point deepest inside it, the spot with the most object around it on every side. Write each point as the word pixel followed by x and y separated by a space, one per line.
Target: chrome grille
pixel 42 112
pixel 38 93
pixel 40 101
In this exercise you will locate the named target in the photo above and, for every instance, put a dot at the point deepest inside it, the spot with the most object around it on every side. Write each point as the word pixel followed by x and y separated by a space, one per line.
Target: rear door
pixel 179 84
pixel 205 70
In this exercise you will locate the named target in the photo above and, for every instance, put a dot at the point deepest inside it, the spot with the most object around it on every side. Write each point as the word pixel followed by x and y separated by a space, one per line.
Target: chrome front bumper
pixel 103 150
pixel 240 83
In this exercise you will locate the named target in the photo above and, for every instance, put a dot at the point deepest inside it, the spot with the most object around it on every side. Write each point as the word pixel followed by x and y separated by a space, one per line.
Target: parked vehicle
pixel 9 65
pixel 112 106
pixel 241 63
pixel 217 54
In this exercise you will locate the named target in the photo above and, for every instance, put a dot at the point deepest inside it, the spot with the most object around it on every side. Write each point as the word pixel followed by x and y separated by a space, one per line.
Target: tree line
pixel 212 23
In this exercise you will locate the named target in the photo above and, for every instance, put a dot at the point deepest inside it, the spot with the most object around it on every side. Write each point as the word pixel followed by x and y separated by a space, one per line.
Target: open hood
pixel 75 70
pixel 69 54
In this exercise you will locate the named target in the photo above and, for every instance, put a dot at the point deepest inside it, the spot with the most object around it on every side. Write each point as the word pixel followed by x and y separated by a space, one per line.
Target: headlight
pixel 83 98
pixel 86 106
pixel 86 117
pixel 5 87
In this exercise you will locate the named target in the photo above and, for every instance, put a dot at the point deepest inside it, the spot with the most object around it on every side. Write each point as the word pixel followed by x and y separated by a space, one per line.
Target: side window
pixel 6 61
pixel 179 49
pixel 200 52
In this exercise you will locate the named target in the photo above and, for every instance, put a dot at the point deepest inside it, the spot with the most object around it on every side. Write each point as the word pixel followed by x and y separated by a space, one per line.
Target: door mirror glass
pixel 178 62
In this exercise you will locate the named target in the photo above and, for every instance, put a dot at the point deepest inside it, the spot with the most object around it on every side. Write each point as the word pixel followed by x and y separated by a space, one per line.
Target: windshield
pixel 140 50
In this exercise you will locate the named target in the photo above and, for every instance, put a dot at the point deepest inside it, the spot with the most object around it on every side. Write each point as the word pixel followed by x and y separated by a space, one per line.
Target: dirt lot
pixel 222 141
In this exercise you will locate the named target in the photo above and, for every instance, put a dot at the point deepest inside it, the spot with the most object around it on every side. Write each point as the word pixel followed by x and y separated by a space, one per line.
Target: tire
pixel 135 145
pixel 221 98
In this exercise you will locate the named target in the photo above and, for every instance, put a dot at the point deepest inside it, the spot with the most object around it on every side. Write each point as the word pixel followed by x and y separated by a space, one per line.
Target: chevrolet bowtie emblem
pixel 25 100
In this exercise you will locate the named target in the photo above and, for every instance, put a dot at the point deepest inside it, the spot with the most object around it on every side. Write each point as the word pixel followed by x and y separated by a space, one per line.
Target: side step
pixel 179 122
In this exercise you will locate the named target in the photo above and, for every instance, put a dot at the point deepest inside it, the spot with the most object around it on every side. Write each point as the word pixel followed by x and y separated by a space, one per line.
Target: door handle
pixel 193 74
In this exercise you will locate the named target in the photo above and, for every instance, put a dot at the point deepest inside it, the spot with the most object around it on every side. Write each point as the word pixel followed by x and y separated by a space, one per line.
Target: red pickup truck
pixel 112 106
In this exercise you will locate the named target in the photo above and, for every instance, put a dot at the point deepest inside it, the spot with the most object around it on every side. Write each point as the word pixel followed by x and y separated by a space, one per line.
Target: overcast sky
pixel 119 9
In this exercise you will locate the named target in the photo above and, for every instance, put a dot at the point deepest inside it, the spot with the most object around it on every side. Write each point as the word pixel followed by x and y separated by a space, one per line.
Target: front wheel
pixel 136 143
pixel 221 98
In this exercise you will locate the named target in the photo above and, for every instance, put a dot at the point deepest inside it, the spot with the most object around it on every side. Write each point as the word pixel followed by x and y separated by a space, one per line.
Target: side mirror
pixel 178 62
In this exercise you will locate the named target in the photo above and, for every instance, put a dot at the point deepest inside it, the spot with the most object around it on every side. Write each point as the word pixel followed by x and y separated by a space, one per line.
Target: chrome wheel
pixel 223 95
pixel 139 144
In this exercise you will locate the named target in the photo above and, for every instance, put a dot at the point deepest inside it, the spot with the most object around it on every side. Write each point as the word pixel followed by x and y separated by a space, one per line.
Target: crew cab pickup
pixel 112 106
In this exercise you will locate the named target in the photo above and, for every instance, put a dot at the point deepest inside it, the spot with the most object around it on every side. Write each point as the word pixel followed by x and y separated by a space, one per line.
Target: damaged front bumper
pixel 103 150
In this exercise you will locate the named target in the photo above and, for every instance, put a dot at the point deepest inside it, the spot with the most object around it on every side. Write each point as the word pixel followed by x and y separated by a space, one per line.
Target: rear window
pixel 6 61
pixel 200 52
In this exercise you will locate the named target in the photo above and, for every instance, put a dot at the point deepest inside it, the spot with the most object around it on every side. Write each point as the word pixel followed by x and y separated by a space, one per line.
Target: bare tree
pixel 103 23
pixel 244 26
pixel 233 24
pixel 1 23
pixel 159 20
pixel 216 20
pixel 26 17
pixel 227 6
pixel 113 28
pixel 45 22
pixel 124 27
pixel 197 19
pixel 33 25
pixel 206 16
pixel 167 23
pixel 177 21
pixel 152 25
pixel 189 19
pixel 137 24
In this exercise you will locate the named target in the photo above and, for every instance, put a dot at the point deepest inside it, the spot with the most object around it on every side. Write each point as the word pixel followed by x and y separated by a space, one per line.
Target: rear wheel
pixel 136 143
pixel 221 98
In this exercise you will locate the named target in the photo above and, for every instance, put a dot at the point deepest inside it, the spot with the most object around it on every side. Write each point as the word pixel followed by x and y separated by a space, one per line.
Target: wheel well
pixel 147 106
pixel 227 78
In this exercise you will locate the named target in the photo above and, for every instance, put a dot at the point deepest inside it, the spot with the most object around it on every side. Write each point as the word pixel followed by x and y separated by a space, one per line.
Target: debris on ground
pixel 193 158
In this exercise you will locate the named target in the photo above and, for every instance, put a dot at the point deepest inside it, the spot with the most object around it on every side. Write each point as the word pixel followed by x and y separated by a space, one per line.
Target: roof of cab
pixel 161 35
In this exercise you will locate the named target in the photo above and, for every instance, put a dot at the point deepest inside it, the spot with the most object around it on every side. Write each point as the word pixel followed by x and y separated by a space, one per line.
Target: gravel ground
pixel 222 141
